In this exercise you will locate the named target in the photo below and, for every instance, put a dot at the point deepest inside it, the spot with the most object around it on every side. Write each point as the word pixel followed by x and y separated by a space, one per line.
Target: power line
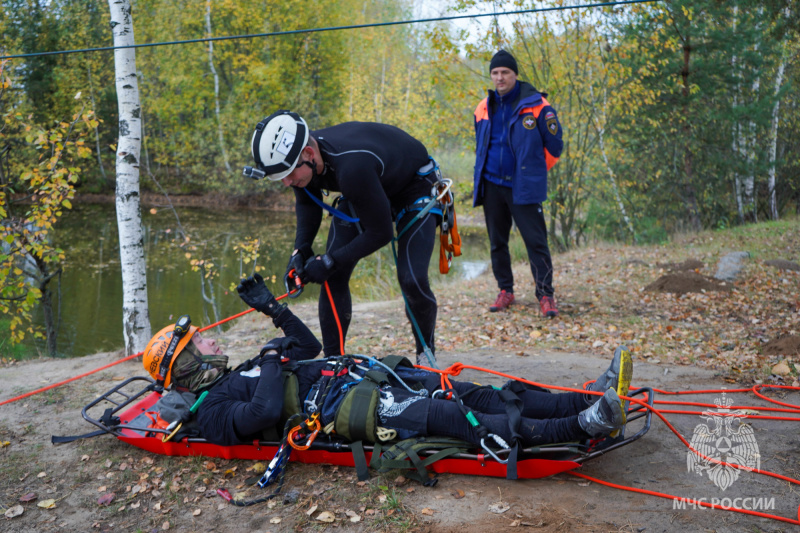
pixel 330 28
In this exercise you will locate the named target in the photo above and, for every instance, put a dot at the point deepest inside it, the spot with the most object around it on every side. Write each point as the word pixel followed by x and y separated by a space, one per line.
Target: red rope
pixel 687 500
pixel 336 317
pixel 457 368
pixel 60 383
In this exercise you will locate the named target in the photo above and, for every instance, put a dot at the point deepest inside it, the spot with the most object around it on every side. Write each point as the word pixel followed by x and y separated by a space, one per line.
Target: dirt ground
pixel 156 493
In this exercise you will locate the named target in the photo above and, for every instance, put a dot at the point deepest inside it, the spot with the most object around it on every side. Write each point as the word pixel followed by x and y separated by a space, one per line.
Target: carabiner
pixel 298 284
pixel 312 424
pixel 442 188
pixel 490 452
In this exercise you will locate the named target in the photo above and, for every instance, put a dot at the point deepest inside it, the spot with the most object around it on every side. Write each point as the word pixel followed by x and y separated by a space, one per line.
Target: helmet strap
pixel 181 328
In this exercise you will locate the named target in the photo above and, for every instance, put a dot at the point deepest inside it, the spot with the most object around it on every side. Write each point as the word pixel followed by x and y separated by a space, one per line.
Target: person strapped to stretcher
pixel 361 398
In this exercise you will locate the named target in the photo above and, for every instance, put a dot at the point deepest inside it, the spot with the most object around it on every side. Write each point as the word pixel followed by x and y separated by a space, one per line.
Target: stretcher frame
pixel 127 402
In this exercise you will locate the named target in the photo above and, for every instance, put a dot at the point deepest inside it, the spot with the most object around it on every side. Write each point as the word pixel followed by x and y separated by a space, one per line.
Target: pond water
pixel 91 286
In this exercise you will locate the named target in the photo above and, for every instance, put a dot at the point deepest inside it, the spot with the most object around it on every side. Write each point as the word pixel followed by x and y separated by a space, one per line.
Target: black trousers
pixel 546 418
pixel 414 252
pixel 499 210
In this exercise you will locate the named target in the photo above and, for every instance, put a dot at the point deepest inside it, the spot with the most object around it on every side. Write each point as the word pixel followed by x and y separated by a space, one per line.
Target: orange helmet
pixel 157 347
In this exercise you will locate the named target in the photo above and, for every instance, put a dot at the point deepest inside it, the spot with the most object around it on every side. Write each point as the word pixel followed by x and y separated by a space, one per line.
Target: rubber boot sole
pixel 624 382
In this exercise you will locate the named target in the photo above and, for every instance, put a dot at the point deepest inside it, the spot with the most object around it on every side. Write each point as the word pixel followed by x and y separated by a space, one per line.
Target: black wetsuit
pixel 249 401
pixel 375 167
pixel 238 408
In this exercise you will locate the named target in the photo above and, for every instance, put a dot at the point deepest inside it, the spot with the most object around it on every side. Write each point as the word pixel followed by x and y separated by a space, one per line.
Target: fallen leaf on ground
pixel 41 474
pixel 428 511
pixel 14 511
pixel 28 497
pixel 311 510
pixel 499 507
pixel 106 499
pixel 275 520
pixel 457 494
pixel 196 512
pixel 5 443
pixel 165 526
pixel 326 516
pixel 47 504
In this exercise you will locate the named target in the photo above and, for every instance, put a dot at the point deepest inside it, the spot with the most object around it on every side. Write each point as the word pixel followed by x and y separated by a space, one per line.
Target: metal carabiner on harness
pixel 312 425
pixel 441 191
pixel 500 442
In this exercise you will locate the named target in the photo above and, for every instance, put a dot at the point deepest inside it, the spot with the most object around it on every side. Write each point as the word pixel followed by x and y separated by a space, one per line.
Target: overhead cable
pixel 330 28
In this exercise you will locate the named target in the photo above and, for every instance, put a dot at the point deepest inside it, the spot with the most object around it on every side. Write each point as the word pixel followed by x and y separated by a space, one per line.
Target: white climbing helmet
pixel 277 143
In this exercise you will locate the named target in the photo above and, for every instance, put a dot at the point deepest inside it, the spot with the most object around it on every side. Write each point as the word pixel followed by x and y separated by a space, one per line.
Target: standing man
pixel 385 177
pixel 518 139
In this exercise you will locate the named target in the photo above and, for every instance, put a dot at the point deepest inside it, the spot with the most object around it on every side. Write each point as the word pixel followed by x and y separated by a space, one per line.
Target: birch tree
pixel 773 145
pixel 135 313
pixel 216 88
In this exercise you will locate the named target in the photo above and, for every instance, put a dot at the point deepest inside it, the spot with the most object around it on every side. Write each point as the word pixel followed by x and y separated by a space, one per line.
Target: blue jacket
pixel 534 137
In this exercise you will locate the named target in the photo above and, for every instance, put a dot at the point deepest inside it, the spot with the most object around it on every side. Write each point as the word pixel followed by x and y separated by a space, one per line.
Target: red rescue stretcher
pixel 127 411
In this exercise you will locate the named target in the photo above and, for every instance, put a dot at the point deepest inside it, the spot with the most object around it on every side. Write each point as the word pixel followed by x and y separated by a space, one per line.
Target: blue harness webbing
pixel 332 210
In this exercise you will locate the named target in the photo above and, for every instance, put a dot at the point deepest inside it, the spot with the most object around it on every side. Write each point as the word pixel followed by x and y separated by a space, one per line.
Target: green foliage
pixel 666 107
pixel 33 196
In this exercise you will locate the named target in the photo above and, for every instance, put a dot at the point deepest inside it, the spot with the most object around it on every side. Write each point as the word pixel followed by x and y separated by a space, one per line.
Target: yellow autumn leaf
pixel 47 504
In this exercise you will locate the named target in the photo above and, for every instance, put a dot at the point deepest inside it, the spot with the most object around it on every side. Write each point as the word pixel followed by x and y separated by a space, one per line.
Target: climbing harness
pixel 332 210
pixel 439 202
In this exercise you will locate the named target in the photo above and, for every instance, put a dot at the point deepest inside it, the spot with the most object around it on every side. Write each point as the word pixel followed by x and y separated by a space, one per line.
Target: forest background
pixel 677 115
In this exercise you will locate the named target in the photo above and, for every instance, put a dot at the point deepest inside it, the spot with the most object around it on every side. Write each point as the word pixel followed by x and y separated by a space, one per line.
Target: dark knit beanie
pixel 503 59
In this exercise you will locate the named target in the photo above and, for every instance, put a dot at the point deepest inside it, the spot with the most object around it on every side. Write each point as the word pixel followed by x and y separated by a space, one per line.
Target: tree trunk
pixel 135 313
pixel 689 194
pixel 96 128
pixel 216 88
pixel 773 145
pixel 736 133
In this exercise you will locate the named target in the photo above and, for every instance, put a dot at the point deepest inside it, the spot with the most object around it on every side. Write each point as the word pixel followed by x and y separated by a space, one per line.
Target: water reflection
pixel 91 285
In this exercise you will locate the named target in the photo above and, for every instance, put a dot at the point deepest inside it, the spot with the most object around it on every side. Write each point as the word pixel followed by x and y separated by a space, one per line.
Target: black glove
pixel 297 263
pixel 319 269
pixel 255 293
pixel 279 345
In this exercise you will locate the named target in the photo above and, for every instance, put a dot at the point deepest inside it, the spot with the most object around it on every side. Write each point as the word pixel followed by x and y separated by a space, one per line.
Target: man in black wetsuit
pixel 384 176
pixel 250 399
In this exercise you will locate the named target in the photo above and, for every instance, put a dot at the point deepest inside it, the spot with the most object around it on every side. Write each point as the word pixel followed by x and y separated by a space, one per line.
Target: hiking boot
pixel 504 299
pixel 549 307
pixel 617 377
pixel 604 417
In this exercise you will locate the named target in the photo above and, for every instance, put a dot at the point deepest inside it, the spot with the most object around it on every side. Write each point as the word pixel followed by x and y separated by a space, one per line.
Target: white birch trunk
pixel 601 129
pixel 216 87
pixel 750 146
pixel 735 148
pixel 773 146
pixel 135 313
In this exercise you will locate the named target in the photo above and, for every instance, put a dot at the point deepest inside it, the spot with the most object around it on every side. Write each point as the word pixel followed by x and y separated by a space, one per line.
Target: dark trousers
pixel 546 418
pixel 414 252
pixel 499 210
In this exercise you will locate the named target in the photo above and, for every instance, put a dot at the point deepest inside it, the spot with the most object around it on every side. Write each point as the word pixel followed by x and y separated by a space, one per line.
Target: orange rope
pixel 60 383
pixel 457 368
pixel 687 500
pixel 336 317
